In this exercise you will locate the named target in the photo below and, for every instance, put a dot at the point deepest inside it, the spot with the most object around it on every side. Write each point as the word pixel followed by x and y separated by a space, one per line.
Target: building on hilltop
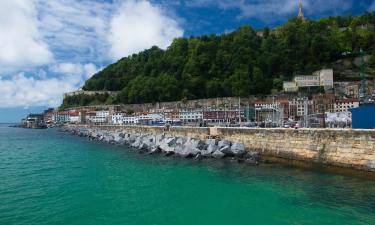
pixel 89 93
pixel 320 78
pixel 300 16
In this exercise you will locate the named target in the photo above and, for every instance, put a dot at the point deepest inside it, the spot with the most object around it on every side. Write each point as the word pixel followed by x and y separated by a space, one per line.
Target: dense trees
pixel 240 63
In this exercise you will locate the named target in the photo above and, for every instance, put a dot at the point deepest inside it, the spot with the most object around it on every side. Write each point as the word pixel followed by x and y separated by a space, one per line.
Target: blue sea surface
pixel 48 177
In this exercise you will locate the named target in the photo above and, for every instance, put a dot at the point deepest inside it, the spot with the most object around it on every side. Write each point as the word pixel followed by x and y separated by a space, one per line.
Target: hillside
pixel 240 63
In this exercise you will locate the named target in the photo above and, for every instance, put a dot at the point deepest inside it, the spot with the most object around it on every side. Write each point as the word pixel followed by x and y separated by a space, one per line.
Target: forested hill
pixel 239 63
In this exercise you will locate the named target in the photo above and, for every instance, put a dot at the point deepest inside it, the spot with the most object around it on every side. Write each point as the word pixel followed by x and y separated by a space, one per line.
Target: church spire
pixel 300 12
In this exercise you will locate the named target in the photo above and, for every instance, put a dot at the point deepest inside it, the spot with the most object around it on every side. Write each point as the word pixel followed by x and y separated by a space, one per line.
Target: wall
pixel 354 149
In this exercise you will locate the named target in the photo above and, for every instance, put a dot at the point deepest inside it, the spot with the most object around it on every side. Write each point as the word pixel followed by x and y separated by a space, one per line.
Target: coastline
pixel 351 151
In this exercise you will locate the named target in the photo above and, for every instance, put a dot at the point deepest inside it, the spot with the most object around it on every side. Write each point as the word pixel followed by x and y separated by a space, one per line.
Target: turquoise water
pixel 47 177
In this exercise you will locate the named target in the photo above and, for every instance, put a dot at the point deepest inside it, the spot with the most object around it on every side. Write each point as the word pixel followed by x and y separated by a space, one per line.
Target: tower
pixel 300 12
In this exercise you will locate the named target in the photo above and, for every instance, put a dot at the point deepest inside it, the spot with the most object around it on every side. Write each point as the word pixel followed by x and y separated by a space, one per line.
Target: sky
pixel 49 47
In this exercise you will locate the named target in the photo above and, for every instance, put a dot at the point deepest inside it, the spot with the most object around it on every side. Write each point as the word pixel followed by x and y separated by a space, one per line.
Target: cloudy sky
pixel 48 47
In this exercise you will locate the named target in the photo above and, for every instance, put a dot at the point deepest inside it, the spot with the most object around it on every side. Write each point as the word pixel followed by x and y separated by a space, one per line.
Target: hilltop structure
pixel 300 12
pixel 321 78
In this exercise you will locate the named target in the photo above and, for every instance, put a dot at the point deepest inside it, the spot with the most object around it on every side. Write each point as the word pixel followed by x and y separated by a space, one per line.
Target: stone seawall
pixel 354 149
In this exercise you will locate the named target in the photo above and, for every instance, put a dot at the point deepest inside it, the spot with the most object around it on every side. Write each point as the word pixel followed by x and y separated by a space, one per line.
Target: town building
pixel 352 91
pixel 343 105
pixel 324 103
pixel 117 118
pixel 231 115
pixel 150 118
pixel 99 117
pixel 35 121
pixel 275 112
pixel 191 115
pixel 127 119
pixel 300 107
pixel 321 78
pixel 61 117
pixel 74 117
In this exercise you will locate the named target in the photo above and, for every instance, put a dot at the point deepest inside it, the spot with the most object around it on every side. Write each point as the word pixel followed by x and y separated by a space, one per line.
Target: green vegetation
pixel 240 63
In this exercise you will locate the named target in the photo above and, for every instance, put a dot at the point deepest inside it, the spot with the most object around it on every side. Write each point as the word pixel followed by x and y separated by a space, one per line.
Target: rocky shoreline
pixel 168 145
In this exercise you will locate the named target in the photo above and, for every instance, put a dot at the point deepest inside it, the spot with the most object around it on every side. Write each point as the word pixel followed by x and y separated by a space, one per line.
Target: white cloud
pixel 54 40
pixel 138 25
pixel 76 30
pixel 84 70
pixel 24 91
pixel 21 45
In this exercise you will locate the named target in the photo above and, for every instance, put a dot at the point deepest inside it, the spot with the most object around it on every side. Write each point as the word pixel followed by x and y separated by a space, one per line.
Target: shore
pixel 168 145
pixel 349 149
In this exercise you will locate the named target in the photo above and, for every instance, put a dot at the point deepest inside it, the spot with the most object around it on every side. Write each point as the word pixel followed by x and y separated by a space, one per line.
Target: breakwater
pixel 353 149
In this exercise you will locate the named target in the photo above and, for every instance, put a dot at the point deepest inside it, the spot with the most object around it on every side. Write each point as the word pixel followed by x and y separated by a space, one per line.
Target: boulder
pixel 223 143
pixel 167 149
pixel 210 141
pixel 218 154
pixel 154 149
pixel 187 152
pixel 201 145
pixel 226 150
pixel 238 149
pixel 170 141
pixel 206 153
pixel 212 148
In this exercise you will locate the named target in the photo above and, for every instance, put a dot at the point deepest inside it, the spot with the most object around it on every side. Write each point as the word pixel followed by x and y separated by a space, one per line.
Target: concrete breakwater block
pixel 185 147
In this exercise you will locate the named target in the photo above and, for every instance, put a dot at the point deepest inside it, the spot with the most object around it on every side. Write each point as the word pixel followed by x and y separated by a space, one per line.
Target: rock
pixel 226 150
pixel 171 141
pixel 154 149
pixel 166 148
pixel 206 153
pixel 181 140
pixel 223 143
pixel 201 145
pixel 238 149
pixel 218 154
pixel 212 148
pixel 187 152
pixel 210 141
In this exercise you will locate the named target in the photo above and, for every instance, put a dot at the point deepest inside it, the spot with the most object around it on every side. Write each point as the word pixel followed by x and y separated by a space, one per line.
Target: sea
pixel 50 177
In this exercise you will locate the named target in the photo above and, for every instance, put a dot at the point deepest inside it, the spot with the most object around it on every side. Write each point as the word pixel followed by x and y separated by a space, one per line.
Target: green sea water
pixel 48 177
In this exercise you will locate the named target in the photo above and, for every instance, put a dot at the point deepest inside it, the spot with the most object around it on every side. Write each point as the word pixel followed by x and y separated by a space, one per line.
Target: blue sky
pixel 51 47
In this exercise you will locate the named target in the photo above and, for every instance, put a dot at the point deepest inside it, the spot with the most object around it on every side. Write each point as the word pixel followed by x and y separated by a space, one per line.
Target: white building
pixel 343 105
pixel 320 78
pixel 74 118
pixel 60 117
pixel 117 118
pixel 130 120
pixel 100 117
pixel 148 118
pixel 299 107
pixel 191 115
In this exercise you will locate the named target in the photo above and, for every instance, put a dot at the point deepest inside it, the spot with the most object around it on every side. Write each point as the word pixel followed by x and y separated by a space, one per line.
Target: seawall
pixel 352 149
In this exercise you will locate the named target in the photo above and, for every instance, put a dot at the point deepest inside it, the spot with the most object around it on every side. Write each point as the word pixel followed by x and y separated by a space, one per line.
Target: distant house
pixel 320 78
pixel 363 117
pixel 35 121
